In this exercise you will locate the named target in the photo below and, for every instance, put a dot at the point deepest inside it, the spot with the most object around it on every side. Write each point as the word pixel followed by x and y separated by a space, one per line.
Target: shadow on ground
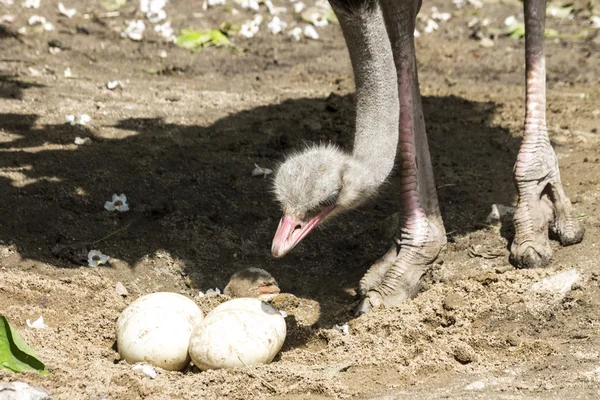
pixel 191 192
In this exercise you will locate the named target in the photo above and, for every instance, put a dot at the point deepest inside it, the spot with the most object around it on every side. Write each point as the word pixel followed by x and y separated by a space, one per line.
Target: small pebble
pixel 121 290
pixel 477 385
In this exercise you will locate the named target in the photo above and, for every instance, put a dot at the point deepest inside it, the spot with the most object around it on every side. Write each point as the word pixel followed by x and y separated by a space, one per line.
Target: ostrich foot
pixel 396 276
pixel 543 205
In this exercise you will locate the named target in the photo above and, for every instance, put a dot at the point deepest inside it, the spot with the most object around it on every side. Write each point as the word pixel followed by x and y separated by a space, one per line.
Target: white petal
pixel 68 12
pixel 310 32
pixel 146 369
pixel 344 329
pixel 81 141
pixel 37 324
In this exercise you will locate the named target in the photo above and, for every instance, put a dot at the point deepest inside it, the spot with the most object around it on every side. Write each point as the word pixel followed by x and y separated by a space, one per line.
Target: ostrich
pixel 320 182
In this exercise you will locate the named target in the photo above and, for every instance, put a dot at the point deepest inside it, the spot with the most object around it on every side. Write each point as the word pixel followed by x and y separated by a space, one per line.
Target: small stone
pixel 464 354
pixel 477 385
pixel 486 42
pixel 560 283
pixel 21 390
pixel 121 290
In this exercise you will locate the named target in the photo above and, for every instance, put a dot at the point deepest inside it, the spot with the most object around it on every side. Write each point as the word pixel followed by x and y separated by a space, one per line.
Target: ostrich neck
pixel 377 104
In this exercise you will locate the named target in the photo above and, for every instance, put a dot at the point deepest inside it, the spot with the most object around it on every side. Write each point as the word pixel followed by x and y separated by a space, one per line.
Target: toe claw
pixel 530 257
pixel 363 307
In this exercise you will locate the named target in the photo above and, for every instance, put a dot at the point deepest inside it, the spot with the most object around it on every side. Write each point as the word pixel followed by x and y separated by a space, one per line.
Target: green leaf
pixel 15 354
pixel 517 31
pixel 112 5
pixel 331 17
pixel 198 40
pixel 559 12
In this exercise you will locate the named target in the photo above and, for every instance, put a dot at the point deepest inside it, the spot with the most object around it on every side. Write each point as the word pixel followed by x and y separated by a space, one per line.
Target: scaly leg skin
pixel 392 280
pixel 542 201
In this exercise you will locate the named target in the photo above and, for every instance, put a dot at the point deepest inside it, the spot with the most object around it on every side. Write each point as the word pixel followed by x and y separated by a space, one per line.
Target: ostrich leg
pixel 542 200
pixel 394 279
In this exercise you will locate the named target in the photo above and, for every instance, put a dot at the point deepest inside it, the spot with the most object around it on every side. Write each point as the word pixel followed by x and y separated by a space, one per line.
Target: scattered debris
pixel 39 20
pixel 477 385
pixel 32 4
pixel 559 284
pixel 472 3
pixel 276 26
pixel 439 16
pixel 21 391
pixel 145 369
pixel 486 42
pixel 121 290
pixel 431 26
pixel 80 119
pixel 166 31
pixel 134 30
pixel 296 33
pixel 560 12
pixel 68 12
pixel 478 251
pixel 595 21
pixel 310 32
pixel 272 9
pixel 213 3
pixel 344 329
pixel 112 5
pixel 79 141
pixel 118 203
pixel 96 258
pixel 37 324
pixel 259 171
pixel 7 18
pixel 154 10
pixel 68 73
pixel 499 211
pixel 209 292
pixel 112 85
pixel 163 53
pixel 251 27
pixel 298 7
pixel 250 4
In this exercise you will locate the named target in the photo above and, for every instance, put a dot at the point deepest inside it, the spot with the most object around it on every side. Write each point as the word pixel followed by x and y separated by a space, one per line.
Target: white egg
pixel 156 329
pixel 239 332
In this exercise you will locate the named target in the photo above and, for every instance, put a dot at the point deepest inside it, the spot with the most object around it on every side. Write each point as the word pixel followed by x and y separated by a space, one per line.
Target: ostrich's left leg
pixel 422 234
pixel 542 200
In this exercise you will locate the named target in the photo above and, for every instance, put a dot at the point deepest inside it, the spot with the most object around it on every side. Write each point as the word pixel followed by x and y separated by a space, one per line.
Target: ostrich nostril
pixel 298 227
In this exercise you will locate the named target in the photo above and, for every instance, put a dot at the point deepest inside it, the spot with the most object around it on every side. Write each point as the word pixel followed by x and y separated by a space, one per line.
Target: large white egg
pixel 156 329
pixel 238 333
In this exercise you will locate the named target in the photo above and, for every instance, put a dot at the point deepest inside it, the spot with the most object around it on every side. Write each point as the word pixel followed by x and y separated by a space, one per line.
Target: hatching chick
pixel 252 282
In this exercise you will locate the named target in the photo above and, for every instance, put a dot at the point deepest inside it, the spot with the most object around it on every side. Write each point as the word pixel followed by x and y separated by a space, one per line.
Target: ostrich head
pixel 314 185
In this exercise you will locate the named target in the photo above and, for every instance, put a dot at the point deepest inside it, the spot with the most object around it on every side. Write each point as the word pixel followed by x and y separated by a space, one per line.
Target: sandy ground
pixel 181 139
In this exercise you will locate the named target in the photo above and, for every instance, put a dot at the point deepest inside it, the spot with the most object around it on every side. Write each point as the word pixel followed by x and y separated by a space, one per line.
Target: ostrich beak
pixel 292 230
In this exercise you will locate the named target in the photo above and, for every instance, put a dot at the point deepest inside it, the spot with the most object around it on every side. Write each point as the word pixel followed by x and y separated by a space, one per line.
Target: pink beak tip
pixel 292 230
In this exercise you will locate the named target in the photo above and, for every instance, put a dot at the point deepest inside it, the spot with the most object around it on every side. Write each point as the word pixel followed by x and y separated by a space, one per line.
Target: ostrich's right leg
pixel 422 234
